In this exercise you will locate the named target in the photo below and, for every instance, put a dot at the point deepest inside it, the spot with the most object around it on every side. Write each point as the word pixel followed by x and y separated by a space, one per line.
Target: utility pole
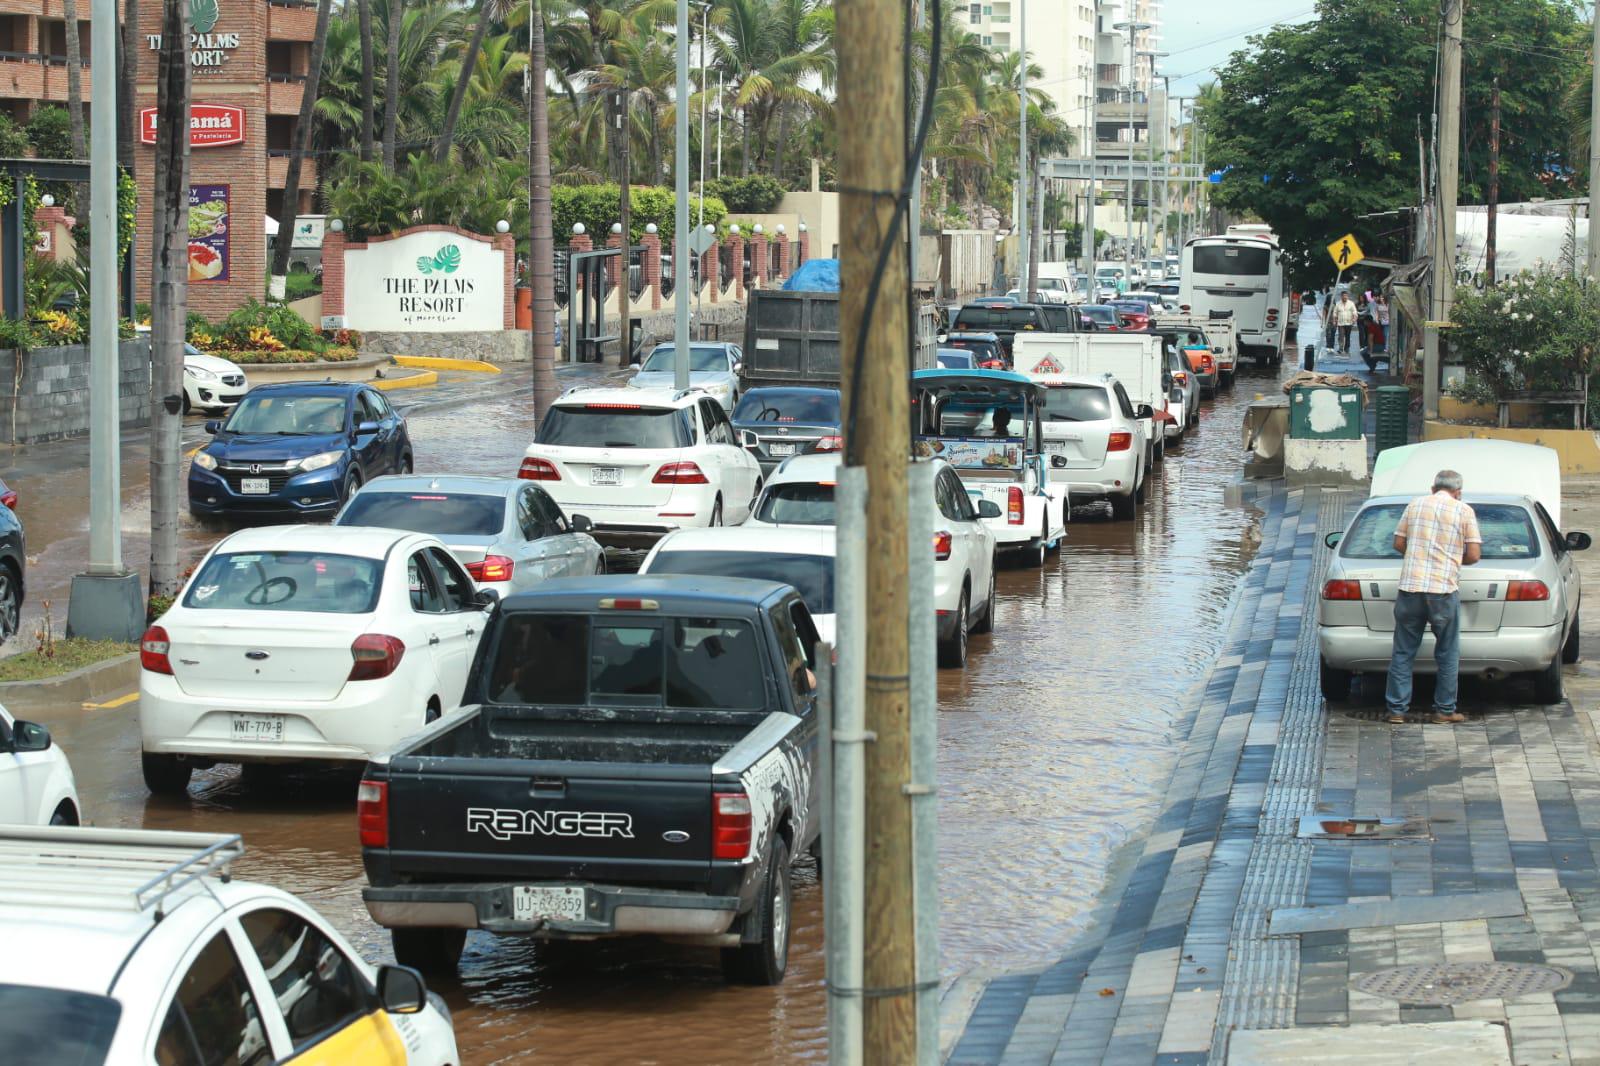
pixel 1091 248
pixel 685 274
pixel 625 131
pixel 681 274
pixel 1494 185
pixel 1024 282
pixel 874 325
pixel 1166 164
pixel 1594 154
pixel 1444 201
pixel 1127 252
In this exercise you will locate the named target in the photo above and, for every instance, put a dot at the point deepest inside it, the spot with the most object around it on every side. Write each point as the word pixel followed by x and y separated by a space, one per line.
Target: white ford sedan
pixel 304 643
pixel 36 785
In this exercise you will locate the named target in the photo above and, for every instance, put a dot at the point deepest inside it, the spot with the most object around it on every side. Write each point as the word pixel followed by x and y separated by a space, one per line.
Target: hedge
pixel 596 207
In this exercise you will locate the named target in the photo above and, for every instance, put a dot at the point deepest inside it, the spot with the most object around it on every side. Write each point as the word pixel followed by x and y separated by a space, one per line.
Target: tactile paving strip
pixel 1439 985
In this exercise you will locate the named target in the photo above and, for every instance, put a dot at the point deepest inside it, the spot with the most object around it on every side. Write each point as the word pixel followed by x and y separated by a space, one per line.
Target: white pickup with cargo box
pixel 1134 359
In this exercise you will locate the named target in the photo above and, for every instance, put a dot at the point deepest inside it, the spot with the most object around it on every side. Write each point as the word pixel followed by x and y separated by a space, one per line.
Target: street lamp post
pixel 1023 177
pixel 1150 138
pixel 1091 249
pixel 1127 251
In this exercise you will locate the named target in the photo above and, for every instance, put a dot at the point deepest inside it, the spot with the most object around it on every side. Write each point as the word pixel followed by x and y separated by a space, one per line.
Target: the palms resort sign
pixel 208 50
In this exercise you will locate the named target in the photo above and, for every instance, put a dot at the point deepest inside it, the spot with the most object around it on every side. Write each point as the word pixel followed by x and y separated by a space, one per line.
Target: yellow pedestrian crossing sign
pixel 1346 252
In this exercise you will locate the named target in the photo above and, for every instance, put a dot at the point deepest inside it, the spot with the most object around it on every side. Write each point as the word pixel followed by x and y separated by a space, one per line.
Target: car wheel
pixel 1569 650
pixel 10 602
pixel 406 465
pixel 66 814
pixel 764 962
pixel 186 401
pixel 986 623
pixel 431 713
pixel 953 652
pixel 1161 447
pixel 165 775
pixel 1125 508
pixel 1141 490
pixel 716 513
pixel 352 484
pixel 1335 684
pixel 432 951
pixel 1547 683
pixel 1033 556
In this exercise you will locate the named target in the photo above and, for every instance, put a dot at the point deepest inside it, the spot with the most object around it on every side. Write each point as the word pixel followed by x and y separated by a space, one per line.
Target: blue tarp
pixel 814 275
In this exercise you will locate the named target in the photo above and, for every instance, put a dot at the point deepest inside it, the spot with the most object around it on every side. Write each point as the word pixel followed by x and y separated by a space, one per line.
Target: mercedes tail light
pixel 493 568
pixel 375 655
pixel 1014 505
pixel 1119 442
pixel 1341 590
pixel 153 648
pixel 680 474
pixel 829 444
pixel 730 825
pixel 538 470
pixel 372 813
pixel 942 543
pixel 1527 591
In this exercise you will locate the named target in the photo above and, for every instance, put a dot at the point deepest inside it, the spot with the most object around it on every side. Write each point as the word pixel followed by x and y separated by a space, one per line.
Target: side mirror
pixel 1332 539
pixel 1144 410
pixel 401 990
pixel 988 509
pixel 1216 351
pixel 366 427
pixel 580 523
pixel 212 426
pixel 485 599
pixel 738 368
pixel 1578 542
pixel 1059 462
pixel 29 737
pixel 748 438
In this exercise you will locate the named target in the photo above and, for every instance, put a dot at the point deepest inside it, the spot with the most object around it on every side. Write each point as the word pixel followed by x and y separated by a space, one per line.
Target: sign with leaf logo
pixel 444 261
pixel 203 15
pixel 208 50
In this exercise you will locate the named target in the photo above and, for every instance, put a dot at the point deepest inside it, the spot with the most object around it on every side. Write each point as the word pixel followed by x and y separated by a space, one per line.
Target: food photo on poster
pixel 208 232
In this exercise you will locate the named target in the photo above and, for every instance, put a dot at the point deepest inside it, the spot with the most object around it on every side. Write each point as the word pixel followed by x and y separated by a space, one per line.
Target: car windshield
pixel 1076 403
pixel 811 575
pixel 799 503
pixel 665 359
pixel 808 408
pixel 613 425
pixel 979 349
pixel 997 318
pixel 1507 532
pixel 1099 313
pixel 578 660
pixel 443 514
pixel 317 582
pixel 287 414
pixel 55 1026
pixel 957 360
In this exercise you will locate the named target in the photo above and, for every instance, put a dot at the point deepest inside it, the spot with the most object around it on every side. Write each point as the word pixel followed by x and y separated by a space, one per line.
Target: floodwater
pixel 1054 743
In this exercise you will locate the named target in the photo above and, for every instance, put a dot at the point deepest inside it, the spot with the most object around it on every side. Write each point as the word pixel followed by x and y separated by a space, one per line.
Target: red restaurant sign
pixel 210 125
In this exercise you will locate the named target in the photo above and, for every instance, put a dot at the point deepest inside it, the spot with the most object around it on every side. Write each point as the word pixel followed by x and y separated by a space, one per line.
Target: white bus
pixel 1239 273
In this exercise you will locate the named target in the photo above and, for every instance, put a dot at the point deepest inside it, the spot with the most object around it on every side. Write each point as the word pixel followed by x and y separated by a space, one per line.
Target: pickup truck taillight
pixel 1119 442
pixel 1524 591
pixel 372 813
pixel 1014 506
pixel 1342 590
pixel 942 543
pixel 153 648
pixel 493 568
pixel 730 825
pixel 375 655
pixel 538 470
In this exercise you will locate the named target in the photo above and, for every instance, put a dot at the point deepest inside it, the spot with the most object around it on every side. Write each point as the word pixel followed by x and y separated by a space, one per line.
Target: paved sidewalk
pixel 1234 916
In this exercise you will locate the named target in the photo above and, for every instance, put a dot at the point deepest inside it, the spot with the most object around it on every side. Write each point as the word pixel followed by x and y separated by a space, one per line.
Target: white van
pixel 1134 359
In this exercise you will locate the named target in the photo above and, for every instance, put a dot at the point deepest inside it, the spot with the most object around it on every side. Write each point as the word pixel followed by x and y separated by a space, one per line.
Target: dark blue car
pixel 297 449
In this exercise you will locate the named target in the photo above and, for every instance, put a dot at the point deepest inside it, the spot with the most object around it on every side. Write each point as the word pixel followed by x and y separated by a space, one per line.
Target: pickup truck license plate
pixel 605 475
pixel 267 727
pixel 777 448
pixel 256 486
pixel 531 903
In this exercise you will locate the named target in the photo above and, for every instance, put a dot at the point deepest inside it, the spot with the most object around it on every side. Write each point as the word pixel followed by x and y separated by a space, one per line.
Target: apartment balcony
pixel 284 93
pixel 1119 111
pixel 291 20
pixel 22 76
pixel 278 169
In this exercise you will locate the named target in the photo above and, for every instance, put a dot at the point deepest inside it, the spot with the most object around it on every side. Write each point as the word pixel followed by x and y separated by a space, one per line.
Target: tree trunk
pixel 783 142
pixel 279 278
pixel 169 295
pixel 744 151
pixel 69 10
pixel 541 236
pixel 441 147
pixel 128 42
pixel 364 16
pixel 625 202
pixel 391 82
pixel 656 171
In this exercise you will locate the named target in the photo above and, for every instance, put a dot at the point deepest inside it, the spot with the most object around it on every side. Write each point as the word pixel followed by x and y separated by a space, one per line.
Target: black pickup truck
pixel 634 756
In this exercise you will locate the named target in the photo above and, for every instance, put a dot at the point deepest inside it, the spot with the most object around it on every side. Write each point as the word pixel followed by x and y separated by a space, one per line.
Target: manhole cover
pixel 1463 981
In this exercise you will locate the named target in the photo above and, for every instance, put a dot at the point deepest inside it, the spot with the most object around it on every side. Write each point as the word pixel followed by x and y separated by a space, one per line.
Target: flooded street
pixel 1054 744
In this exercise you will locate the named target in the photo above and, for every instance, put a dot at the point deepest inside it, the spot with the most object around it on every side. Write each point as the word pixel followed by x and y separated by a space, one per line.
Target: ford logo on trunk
pixel 675 836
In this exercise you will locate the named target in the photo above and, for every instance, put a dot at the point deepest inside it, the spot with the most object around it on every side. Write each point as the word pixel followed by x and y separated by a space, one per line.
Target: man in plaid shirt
pixel 1437 534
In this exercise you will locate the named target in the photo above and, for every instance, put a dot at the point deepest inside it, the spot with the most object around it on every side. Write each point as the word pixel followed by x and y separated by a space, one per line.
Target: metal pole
pixel 1594 155
pixel 1489 231
pixel 700 224
pixel 1091 249
pixel 680 214
pixel 1444 223
pixel 719 125
pixel 1021 225
pixel 105 470
pixel 922 788
pixel 1166 164
pixel 1127 249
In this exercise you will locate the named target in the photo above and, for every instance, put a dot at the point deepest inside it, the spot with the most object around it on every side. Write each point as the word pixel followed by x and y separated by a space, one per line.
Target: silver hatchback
pixel 1519 603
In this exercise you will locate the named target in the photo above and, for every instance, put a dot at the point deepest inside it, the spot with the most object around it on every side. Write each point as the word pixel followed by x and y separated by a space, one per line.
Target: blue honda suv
pixel 297 449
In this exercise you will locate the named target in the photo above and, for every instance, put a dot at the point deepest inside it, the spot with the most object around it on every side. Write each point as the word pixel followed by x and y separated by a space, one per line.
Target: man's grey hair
pixel 1448 480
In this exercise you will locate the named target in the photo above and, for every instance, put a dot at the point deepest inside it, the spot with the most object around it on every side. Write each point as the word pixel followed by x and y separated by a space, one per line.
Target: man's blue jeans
pixel 1414 612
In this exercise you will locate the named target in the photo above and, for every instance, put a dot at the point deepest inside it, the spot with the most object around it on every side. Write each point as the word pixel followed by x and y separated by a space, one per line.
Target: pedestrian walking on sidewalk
pixel 1382 315
pixel 1438 534
pixel 1344 316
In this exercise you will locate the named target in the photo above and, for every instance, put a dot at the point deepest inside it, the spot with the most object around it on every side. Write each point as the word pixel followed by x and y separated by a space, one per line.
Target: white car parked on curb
pixel 301 643
pixel 800 493
pixel 210 383
pixel 642 463
pixel 36 784
pixel 801 556
pixel 134 946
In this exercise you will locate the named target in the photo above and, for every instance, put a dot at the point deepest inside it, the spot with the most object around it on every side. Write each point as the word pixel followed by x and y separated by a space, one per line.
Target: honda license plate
pixel 605 475
pixel 261 727
pixel 255 486
pixel 777 448
pixel 532 903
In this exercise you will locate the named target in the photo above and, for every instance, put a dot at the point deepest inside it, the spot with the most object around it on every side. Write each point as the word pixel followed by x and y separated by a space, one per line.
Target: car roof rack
pixel 127 869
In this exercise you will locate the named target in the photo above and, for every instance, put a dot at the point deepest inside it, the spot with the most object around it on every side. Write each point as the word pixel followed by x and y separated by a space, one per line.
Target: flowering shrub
pixel 1533 333
pixel 59 327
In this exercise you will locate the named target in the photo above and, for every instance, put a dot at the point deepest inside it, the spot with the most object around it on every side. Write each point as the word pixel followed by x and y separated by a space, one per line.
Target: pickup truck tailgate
pixel 461 819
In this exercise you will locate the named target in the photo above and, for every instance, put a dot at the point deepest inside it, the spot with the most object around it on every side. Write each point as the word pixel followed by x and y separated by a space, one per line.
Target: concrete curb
pixel 417 379
pixel 441 362
pixel 83 685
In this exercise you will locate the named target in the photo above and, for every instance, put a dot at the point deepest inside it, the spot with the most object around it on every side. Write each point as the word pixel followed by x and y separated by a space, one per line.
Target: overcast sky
pixel 1201 34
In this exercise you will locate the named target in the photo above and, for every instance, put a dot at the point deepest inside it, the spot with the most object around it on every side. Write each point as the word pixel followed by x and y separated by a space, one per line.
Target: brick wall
pixel 54 399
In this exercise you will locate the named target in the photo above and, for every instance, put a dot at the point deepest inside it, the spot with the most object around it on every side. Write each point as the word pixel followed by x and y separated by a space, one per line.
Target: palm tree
pixel 364 16
pixel 395 16
pixel 278 279
pixel 69 9
pixel 541 233
pixel 488 11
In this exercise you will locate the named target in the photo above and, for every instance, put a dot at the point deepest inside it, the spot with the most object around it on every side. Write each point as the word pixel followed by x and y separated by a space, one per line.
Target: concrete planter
pixel 362 368
pixel 1579 449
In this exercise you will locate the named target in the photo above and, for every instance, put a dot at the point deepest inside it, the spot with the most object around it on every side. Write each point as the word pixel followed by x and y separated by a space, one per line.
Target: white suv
pixel 639 463
pixel 800 493
pixel 1095 441
pixel 132 946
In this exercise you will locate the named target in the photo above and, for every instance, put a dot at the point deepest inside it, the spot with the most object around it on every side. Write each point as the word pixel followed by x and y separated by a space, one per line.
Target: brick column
pixel 580 242
pixel 784 269
pixel 47 219
pixel 614 264
pixel 333 246
pixel 650 268
pixel 507 245
pixel 805 247
pixel 711 271
pixel 760 260
pixel 736 258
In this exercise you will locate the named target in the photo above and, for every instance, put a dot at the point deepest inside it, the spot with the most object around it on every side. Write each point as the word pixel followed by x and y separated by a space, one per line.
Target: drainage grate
pixel 1463 981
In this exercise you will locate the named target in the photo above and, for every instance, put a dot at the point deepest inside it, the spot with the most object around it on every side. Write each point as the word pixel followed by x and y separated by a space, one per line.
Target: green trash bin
pixel 1393 416
pixel 1324 412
